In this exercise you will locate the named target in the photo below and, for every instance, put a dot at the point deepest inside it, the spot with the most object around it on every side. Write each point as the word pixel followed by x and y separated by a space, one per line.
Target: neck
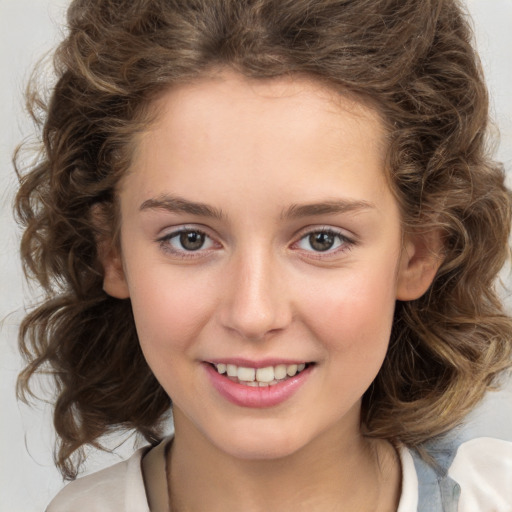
pixel 339 469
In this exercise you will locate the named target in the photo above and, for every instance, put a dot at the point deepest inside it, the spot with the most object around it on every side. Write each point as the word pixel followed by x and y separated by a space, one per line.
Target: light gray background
pixel 29 28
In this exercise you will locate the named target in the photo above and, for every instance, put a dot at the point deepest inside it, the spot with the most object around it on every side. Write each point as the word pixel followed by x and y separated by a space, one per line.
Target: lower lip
pixel 256 397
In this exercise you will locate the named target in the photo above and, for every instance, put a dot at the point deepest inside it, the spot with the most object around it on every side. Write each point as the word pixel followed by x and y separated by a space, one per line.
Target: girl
pixel 281 216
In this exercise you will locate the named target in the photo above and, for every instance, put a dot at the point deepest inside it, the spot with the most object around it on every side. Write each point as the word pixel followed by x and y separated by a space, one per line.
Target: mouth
pixel 259 377
pixel 261 384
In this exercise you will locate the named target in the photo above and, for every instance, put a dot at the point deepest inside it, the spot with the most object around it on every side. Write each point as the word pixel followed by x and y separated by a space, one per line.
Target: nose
pixel 255 302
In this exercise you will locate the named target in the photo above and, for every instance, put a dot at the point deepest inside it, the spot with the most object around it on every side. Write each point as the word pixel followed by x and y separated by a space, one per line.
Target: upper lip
pixel 260 363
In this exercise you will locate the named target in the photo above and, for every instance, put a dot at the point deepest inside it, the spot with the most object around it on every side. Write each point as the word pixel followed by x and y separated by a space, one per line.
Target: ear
pixel 114 280
pixel 422 255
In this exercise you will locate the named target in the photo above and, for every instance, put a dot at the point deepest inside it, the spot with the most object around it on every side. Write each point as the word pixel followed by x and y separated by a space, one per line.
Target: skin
pixel 254 152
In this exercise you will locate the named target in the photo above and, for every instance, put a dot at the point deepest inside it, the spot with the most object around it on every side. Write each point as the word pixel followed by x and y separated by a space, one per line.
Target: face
pixel 262 252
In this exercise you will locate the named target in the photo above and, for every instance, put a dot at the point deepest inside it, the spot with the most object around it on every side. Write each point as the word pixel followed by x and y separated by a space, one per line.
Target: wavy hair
pixel 412 58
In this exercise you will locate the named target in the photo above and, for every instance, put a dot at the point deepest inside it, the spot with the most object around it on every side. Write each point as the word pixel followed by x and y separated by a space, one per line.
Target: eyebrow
pixel 296 211
pixel 177 204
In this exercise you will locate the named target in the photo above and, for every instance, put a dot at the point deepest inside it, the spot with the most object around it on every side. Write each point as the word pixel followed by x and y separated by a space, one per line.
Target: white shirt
pixel 482 468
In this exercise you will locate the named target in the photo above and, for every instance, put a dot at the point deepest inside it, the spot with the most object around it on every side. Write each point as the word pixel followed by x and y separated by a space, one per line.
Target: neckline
pixel 154 473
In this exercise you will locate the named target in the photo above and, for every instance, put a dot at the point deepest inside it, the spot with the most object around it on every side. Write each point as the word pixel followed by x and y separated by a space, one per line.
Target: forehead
pixel 229 131
pixel 297 104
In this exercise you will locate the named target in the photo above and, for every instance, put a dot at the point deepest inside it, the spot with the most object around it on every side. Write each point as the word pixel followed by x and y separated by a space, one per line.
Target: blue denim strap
pixel 436 492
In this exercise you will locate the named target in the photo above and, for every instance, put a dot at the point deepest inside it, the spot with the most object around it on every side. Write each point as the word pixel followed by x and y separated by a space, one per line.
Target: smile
pixel 266 386
pixel 259 377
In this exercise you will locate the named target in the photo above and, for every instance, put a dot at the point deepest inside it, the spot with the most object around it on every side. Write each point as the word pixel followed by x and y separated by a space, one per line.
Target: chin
pixel 262 443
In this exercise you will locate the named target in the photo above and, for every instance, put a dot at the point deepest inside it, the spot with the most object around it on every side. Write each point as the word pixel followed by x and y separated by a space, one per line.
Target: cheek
pixel 170 313
pixel 353 315
pixel 170 309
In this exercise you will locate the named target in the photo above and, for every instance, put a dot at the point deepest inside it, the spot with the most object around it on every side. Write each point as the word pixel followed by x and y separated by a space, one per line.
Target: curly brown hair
pixel 413 59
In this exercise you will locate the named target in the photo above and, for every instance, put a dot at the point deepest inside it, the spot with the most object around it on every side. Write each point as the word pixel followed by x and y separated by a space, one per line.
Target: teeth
pixel 261 377
pixel 265 374
pixel 280 371
pixel 246 374
pixel 291 370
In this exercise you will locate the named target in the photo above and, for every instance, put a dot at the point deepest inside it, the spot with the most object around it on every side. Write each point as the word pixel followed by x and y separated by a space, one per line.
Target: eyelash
pixel 342 243
pixel 166 240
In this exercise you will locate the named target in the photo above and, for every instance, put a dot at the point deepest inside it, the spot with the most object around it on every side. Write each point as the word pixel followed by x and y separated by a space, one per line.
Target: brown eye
pixel 328 242
pixel 192 240
pixel 187 243
pixel 322 241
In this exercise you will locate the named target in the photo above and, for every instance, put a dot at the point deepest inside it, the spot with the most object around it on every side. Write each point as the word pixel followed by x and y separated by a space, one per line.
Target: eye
pixel 191 240
pixel 186 241
pixel 324 241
